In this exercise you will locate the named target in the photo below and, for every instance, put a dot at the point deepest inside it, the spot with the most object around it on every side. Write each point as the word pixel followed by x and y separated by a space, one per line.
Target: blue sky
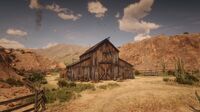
pixel 87 26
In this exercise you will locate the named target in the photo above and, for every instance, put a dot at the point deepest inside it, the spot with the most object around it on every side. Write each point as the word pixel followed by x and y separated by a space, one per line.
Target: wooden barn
pixel 100 62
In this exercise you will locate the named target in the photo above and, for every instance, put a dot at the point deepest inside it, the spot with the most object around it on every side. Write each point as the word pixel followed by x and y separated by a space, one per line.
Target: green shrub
pixel 13 82
pixel 50 96
pixel 62 83
pixel 61 94
pixel 67 91
pixel 182 77
pixel 171 72
pixel 82 87
pixel 137 72
pixel 75 87
pixel 103 87
pixel 64 95
pixel 166 79
pixel 37 77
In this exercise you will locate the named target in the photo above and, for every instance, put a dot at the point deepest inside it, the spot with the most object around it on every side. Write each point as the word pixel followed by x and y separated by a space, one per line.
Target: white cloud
pixel 132 19
pixel 141 36
pixel 34 4
pixel 50 45
pixel 95 7
pixel 117 15
pixel 10 44
pixel 16 32
pixel 63 13
pixel 65 16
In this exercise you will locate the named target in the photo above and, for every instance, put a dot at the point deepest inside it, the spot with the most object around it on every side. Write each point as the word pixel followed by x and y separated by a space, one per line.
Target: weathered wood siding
pixel 125 70
pixel 101 64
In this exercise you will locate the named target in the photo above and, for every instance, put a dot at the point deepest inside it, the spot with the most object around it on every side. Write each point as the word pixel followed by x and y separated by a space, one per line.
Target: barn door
pixel 105 72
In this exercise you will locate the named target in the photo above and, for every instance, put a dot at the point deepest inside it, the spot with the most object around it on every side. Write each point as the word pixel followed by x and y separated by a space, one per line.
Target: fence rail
pixel 37 105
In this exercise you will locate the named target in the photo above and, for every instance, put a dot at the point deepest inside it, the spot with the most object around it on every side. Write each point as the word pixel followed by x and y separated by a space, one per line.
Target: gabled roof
pixel 93 48
pixel 80 61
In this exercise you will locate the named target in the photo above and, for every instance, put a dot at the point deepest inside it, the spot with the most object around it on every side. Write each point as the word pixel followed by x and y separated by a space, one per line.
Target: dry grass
pixel 143 94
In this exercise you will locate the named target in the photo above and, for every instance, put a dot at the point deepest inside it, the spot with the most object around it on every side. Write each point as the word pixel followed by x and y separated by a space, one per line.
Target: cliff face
pixel 151 54
pixel 6 70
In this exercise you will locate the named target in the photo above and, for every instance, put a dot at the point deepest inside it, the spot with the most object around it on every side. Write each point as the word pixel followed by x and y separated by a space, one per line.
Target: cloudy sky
pixel 44 23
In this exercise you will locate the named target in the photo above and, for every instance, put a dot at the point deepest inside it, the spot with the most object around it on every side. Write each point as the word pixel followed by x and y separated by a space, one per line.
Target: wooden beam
pixel 16 99
pixel 18 107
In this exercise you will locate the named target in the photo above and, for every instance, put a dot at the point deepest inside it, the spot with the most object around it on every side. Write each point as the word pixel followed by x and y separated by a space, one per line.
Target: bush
pixel 109 86
pixel 75 87
pixel 137 72
pixel 166 79
pixel 13 82
pixel 50 96
pixel 82 87
pixel 37 77
pixel 182 77
pixel 62 83
pixel 64 95
pixel 103 87
pixel 170 72
pixel 61 94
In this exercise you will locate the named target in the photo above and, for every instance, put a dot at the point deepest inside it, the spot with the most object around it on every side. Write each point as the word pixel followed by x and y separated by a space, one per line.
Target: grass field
pixel 143 94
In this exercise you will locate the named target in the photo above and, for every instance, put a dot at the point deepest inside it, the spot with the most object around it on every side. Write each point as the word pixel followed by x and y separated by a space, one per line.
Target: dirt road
pixel 143 94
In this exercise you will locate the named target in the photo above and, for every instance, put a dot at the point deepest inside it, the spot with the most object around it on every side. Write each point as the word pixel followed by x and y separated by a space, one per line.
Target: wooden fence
pixel 33 102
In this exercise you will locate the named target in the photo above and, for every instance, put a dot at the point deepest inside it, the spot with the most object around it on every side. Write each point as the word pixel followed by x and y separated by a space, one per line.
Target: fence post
pixel 36 101
pixel 43 100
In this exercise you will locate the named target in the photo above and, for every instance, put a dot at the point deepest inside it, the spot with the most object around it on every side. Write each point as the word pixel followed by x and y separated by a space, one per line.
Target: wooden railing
pixel 34 102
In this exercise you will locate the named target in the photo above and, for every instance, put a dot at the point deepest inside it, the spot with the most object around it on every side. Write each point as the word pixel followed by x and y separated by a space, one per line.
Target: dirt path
pixel 143 94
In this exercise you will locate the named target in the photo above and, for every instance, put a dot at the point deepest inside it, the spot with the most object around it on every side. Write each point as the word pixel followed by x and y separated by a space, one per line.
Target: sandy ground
pixel 52 80
pixel 143 94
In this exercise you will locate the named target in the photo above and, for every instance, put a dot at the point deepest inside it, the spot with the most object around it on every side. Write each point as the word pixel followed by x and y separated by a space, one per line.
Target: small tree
pixel 164 71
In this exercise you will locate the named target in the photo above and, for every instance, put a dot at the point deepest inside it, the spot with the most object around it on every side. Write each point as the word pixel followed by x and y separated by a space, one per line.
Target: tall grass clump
pixel 182 77
pixel 67 90
pixel 109 86
pixel 79 87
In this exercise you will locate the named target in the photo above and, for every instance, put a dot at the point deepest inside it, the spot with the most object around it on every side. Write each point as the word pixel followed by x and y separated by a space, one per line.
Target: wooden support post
pixel 43 101
pixel 36 101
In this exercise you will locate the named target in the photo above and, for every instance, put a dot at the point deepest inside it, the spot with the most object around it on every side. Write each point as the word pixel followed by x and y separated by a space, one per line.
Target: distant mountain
pixel 152 53
pixel 62 52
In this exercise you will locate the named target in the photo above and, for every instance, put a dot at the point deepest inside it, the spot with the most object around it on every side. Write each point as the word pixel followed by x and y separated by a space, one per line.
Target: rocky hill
pixel 153 53
pixel 62 52
pixel 26 60
pixel 6 70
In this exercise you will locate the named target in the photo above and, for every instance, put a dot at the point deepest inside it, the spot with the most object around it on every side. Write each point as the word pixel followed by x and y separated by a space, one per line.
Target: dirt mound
pixel 151 54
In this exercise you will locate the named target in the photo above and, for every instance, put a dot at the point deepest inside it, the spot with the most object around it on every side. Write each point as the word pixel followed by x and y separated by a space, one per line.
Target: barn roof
pixel 125 62
pixel 80 61
pixel 96 46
